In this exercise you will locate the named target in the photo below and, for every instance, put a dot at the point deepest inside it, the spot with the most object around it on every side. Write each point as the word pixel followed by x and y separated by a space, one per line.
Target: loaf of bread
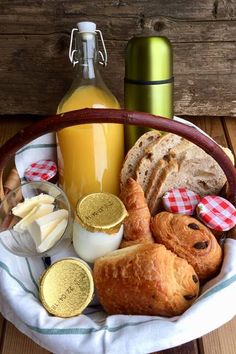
pixel 170 161
pixel 145 280
pixel 137 224
pixel 189 239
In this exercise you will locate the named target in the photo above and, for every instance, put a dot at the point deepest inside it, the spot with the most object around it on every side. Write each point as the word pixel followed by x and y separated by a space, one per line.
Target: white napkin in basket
pixel 94 331
pixel 42 148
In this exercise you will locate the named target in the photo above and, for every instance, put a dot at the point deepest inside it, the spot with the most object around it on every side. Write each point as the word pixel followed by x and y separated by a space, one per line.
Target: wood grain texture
pixel 8 127
pixel 214 128
pixel 16 342
pixel 230 129
pixel 56 10
pixel 220 341
pixel 188 348
pixel 44 17
pixel 34 38
pixel 2 321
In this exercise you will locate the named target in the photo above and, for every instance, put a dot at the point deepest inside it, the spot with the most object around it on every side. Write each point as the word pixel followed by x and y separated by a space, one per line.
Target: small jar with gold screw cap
pixel 98 226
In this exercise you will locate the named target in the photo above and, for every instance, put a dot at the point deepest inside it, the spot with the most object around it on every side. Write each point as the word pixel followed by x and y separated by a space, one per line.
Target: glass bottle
pixel 90 156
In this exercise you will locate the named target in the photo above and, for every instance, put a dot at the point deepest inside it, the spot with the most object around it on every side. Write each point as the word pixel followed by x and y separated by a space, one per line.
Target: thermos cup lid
pixel 148 59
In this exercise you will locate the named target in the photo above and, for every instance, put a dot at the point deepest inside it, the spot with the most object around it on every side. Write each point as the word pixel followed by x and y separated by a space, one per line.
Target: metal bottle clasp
pixel 73 50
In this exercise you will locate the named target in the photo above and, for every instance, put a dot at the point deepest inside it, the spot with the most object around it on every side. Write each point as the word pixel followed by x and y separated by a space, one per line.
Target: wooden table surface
pixel 220 341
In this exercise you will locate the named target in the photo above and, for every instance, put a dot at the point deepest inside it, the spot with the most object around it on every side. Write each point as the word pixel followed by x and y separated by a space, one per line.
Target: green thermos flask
pixel 148 80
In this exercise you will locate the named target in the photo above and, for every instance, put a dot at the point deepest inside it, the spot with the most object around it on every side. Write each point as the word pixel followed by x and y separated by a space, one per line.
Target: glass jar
pixel 98 227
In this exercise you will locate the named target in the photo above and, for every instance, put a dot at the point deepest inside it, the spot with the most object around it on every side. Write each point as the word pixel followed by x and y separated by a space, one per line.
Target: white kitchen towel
pixel 94 331
pixel 42 148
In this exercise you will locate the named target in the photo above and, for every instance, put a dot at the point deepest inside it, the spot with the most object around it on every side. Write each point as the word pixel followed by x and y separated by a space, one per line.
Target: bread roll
pixel 137 224
pixel 145 280
pixel 189 239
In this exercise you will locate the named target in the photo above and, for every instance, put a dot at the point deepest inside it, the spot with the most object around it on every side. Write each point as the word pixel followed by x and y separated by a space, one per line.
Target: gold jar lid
pixel 66 287
pixel 102 212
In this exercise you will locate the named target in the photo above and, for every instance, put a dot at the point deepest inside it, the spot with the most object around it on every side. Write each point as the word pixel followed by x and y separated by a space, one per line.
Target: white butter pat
pixel 42 227
pixel 35 213
pixel 53 236
pixel 22 209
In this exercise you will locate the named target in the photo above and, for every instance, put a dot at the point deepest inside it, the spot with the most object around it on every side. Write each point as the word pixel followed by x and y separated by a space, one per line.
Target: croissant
pixel 189 239
pixel 137 224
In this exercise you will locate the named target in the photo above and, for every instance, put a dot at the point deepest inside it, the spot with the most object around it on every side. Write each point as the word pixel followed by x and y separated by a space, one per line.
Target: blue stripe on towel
pixel 89 330
pixel 5 267
pixel 84 331
pixel 218 287
pixel 31 274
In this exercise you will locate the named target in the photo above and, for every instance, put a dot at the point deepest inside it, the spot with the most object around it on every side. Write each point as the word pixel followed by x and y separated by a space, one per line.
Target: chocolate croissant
pixel 145 279
pixel 189 239
pixel 137 224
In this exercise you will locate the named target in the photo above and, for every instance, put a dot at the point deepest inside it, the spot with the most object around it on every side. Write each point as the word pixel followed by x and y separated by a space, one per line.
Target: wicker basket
pixel 119 340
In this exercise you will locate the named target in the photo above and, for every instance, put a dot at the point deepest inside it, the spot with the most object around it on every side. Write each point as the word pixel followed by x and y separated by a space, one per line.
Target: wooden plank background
pixel 35 73
pixel 34 36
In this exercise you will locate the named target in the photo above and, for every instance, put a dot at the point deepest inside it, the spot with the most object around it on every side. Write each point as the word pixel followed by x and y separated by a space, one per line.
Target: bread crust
pixel 145 280
pixel 154 179
pixel 155 201
pixel 188 167
pixel 135 154
pixel 190 239
pixel 154 153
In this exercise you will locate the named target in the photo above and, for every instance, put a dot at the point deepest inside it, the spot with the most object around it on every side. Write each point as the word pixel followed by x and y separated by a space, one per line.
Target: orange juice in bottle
pixel 89 156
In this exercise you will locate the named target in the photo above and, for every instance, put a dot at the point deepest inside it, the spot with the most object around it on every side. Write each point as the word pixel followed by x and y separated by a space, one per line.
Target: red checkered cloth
pixel 217 213
pixel 180 201
pixel 42 170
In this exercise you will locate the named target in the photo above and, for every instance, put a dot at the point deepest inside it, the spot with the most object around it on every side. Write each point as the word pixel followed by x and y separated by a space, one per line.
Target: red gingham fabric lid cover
pixel 180 201
pixel 42 170
pixel 217 213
